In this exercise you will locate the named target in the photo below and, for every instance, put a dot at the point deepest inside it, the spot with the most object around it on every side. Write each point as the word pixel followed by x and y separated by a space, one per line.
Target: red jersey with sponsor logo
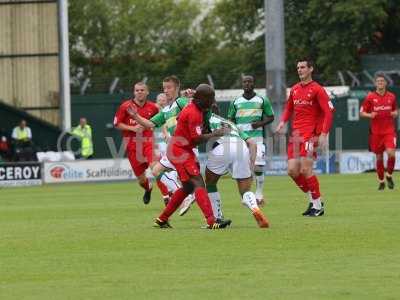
pixel 310 107
pixel 148 110
pixel 383 105
pixel 188 128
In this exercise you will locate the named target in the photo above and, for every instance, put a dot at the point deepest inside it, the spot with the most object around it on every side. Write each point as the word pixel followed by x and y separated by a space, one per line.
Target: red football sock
pixel 146 185
pixel 313 184
pixel 301 183
pixel 176 200
pixel 163 188
pixel 380 169
pixel 390 164
pixel 204 203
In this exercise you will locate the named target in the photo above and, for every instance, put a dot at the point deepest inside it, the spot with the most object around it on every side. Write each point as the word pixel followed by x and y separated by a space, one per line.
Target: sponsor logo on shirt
pixel 198 130
pixel 382 107
pixel 302 102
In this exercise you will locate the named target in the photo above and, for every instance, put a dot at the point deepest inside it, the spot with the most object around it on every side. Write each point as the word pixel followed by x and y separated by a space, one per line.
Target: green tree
pixel 131 38
pixel 229 42
pixel 333 33
pixel 138 38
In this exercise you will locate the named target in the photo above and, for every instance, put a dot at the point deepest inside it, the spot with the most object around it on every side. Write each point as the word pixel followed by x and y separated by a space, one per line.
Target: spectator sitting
pixel 22 138
pixel 84 133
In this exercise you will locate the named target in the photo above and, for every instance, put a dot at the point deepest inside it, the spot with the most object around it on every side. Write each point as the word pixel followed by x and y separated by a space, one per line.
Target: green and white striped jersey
pixel 169 113
pixel 244 111
pixel 216 122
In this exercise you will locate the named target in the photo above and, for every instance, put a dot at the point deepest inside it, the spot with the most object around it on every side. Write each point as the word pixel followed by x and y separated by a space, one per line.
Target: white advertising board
pixel 88 170
pixel 358 162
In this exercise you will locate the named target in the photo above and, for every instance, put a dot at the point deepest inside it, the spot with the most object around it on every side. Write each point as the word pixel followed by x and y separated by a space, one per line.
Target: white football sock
pixel 310 197
pixel 170 179
pixel 259 186
pixel 317 203
pixel 215 198
pixel 249 199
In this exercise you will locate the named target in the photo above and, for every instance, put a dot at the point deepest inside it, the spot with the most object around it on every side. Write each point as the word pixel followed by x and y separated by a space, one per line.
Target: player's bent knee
pixel 188 187
pixel 390 152
pixel 293 172
pixel 142 178
pixel 156 169
pixel 307 172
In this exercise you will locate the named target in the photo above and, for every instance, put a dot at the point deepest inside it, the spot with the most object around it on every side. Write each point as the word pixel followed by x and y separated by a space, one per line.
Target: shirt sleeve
pixel 366 105
pixel 232 111
pixel 267 107
pixel 182 102
pixel 327 108
pixel 119 115
pixel 29 133
pixel 287 112
pixel 158 119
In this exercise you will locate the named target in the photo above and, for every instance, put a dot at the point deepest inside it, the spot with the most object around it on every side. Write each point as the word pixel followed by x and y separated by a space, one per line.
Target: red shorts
pixel 378 143
pixel 185 163
pixel 302 147
pixel 141 157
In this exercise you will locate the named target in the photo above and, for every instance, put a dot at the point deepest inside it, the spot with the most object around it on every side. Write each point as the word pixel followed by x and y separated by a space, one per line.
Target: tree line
pixel 136 39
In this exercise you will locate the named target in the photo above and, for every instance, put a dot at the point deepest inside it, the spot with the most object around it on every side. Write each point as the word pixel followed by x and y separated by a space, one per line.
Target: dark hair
pixel 310 62
pixel 173 79
pixel 380 75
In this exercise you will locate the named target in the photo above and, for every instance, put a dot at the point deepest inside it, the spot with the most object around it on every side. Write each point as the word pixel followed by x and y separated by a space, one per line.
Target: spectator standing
pixel 84 133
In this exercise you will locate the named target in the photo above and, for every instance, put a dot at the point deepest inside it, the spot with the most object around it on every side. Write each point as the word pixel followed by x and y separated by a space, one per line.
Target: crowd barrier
pixel 98 170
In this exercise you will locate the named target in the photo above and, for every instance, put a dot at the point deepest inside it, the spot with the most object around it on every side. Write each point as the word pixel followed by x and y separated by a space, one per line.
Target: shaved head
pixel 204 96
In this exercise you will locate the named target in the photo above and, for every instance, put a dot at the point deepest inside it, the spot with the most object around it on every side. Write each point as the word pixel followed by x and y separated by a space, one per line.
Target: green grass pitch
pixel 96 241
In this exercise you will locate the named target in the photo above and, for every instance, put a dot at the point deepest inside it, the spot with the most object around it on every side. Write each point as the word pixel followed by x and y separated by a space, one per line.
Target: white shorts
pixel 162 148
pixel 167 164
pixel 230 156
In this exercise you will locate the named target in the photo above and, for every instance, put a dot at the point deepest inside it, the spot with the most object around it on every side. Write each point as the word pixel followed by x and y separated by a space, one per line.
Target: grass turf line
pixel 95 241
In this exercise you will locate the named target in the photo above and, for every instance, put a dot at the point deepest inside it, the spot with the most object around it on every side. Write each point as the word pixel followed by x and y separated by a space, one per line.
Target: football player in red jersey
pixel 139 141
pixel 309 107
pixel 381 107
pixel 188 134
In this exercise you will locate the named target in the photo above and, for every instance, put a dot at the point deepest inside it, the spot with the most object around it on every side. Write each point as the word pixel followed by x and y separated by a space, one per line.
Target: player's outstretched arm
pixel 203 138
pixel 136 128
pixel 132 111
